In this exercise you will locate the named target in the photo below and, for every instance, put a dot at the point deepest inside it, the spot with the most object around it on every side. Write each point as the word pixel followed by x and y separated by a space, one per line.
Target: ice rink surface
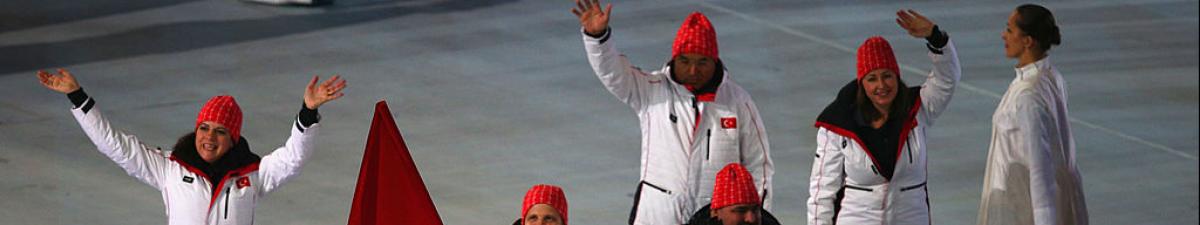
pixel 495 96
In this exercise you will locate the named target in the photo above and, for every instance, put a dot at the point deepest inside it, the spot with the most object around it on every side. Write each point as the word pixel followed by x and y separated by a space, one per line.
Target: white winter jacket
pixel 685 141
pixel 186 191
pixel 845 186
pixel 1031 175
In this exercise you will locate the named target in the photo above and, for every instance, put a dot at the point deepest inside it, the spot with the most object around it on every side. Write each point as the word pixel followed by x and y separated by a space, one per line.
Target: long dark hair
pixel 1037 22
pixel 188 141
pixel 901 104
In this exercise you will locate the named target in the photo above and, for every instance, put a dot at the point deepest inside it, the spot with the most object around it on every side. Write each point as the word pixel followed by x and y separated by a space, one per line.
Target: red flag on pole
pixel 390 190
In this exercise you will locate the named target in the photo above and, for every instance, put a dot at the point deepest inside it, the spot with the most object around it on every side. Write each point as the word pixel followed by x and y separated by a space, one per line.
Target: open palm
pixel 593 19
pixel 915 23
pixel 317 94
pixel 63 82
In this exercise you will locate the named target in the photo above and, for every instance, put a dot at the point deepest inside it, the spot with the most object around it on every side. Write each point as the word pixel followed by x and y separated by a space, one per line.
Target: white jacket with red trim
pixel 186 192
pixel 846 188
pixel 682 152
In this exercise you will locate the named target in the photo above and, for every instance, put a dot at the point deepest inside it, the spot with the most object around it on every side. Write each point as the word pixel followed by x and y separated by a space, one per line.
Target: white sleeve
pixel 938 88
pixel 755 149
pixel 826 178
pixel 139 160
pixel 284 163
pixel 1030 135
pixel 625 81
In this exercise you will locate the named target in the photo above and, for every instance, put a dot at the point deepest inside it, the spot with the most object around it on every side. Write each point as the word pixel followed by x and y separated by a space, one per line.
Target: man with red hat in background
pixel 694 118
pixel 735 201
pixel 544 204
pixel 210 177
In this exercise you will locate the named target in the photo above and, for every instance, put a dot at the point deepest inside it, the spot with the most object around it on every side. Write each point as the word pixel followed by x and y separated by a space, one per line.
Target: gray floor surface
pixel 495 96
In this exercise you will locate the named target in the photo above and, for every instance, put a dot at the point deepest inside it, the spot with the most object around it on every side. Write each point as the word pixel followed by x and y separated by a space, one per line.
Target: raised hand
pixel 315 95
pixel 915 23
pixel 593 19
pixel 62 82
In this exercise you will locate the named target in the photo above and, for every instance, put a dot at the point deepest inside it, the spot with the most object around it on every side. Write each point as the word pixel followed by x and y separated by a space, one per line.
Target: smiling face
pixel 880 87
pixel 542 214
pixel 694 69
pixel 212 141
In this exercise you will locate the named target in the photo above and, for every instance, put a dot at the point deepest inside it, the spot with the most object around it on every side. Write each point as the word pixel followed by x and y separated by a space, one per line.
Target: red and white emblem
pixel 729 122
pixel 243 182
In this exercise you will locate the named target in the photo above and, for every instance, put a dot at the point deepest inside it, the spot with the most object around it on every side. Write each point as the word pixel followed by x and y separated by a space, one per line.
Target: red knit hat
pixel 545 194
pixel 225 111
pixel 734 186
pixel 876 53
pixel 696 35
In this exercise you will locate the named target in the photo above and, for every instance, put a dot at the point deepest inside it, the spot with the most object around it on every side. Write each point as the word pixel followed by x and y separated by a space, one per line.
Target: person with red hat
pixel 211 176
pixel 735 201
pixel 544 204
pixel 870 165
pixel 694 119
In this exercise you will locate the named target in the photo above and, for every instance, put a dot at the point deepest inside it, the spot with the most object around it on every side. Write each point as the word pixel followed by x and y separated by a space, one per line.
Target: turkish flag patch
pixel 729 122
pixel 243 182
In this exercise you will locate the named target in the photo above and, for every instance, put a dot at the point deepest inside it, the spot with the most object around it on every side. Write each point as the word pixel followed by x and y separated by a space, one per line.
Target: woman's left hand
pixel 915 23
pixel 315 95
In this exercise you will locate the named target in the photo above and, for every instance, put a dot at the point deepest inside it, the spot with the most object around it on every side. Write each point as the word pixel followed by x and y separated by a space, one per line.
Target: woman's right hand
pixel 593 19
pixel 916 24
pixel 62 82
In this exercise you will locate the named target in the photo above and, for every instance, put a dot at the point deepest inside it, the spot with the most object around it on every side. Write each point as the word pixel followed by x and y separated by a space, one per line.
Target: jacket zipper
pixel 910 150
pixel 708 145
pixel 696 108
pixel 226 203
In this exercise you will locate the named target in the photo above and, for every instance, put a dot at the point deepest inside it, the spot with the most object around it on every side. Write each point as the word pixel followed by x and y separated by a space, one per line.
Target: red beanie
pixel 696 35
pixel 545 194
pixel 225 111
pixel 876 53
pixel 734 186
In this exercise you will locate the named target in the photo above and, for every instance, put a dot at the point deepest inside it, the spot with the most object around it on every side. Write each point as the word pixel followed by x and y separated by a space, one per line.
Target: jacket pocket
pixel 908 188
pixel 723 148
pixel 656 187
pixel 654 205
pixel 851 187
pixel 912 205
pixel 858 200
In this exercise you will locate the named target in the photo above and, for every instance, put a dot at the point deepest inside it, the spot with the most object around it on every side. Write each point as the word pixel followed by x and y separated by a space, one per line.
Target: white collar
pixel 1032 70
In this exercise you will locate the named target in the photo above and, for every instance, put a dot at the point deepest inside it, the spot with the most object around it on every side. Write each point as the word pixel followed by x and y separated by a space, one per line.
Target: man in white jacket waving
pixel 694 119
pixel 211 177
